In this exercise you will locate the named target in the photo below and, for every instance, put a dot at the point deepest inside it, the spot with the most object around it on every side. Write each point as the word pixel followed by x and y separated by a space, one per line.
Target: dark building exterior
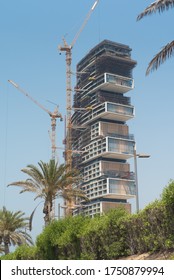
pixel 100 134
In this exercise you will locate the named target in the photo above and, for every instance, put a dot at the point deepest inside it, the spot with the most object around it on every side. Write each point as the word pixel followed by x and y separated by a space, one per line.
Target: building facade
pixel 100 133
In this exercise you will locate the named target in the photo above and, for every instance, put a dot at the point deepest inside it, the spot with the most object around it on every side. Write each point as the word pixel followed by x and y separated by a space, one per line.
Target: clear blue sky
pixel 30 34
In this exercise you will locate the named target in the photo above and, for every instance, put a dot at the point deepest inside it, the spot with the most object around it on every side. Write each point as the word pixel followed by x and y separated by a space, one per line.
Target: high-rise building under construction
pixel 100 134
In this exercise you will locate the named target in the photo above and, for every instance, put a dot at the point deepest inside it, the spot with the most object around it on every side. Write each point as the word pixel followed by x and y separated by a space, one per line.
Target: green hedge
pixel 84 238
pixel 109 236
pixel 61 239
pixel 23 252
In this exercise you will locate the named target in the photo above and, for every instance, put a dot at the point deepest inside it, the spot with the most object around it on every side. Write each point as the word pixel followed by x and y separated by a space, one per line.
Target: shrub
pixel 22 252
pixel 61 239
pixel 103 237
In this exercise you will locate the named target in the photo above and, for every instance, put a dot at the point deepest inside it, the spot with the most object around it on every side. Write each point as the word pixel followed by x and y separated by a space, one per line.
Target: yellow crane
pixel 53 115
pixel 68 52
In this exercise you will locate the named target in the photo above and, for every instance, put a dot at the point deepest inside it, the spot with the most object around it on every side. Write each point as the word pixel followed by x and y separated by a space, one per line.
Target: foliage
pixel 168 194
pixel 13 229
pixel 144 230
pixel 168 200
pixel 49 181
pixel 92 238
pixel 153 228
pixel 23 252
pixel 102 239
pixel 1 249
pixel 167 50
pixel 83 238
pixel 172 257
pixel 109 236
pixel 112 235
pixel 61 239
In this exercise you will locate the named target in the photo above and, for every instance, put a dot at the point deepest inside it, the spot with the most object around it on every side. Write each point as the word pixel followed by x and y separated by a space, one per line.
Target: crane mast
pixel 53 115
pixel 68 141
pixel 68 137
pixel 68 52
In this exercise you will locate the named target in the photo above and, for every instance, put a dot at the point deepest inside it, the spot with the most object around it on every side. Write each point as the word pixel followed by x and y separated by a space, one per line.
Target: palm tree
pixel 13 229
pixel 48 182
pixel 168 50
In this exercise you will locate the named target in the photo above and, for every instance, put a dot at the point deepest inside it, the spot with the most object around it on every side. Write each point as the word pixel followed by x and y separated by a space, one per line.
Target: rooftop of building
pixel 109 47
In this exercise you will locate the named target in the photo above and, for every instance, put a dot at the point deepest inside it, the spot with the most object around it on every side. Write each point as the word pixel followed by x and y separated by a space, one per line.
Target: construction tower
pixel 68 52
pixel 104 77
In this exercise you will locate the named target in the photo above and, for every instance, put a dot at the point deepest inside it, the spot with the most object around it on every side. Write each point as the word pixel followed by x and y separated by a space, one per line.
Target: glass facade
pixel 121 187
pixel 119 80
pixel 117 108
pixel 120 146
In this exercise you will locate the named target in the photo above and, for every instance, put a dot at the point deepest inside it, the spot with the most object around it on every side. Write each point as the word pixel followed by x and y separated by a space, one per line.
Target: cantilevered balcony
pixel 109 82
pixel 109 147
pixel 122 189
pixel 110 188
pixel 119 148
pixel 109 111
pixel 112 111
pixel 118 174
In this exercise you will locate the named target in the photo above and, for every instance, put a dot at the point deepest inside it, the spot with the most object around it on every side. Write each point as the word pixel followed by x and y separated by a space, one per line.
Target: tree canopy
pixel 48 181
pixel 13 227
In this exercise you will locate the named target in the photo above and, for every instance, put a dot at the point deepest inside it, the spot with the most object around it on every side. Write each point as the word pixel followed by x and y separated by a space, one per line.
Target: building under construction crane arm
pixel 53 115
pixel 68 52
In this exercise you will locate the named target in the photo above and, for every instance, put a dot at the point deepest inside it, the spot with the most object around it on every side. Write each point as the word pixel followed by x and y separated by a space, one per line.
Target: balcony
pixel 118 174
pixel 122 189
pixel 119 148
pixel 109 111
pixel 119 112
pixel 119 83
pixel 109 82
pixel 113 111
pixel 109 147
pixel 109 188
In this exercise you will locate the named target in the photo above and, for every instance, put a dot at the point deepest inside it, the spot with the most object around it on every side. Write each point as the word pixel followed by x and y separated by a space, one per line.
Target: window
pixel 120 146
pixel 121 187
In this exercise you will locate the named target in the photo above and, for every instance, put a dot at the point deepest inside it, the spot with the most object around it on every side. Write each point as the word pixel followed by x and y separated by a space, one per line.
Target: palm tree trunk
pixel 6 248
pixel 47 211
pixel 69 210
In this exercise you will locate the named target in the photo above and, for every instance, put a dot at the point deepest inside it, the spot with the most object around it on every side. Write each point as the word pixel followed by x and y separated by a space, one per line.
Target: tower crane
pixel 53 115
pixel 68 52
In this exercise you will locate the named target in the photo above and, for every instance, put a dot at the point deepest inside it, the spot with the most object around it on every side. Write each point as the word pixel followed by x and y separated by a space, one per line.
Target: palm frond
pixel 157 6
pixel 27 186
pixel 33 172
pixel 32 215
pixel 166 52
pixel 48 181
pixel 13 227
pixel 69 194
